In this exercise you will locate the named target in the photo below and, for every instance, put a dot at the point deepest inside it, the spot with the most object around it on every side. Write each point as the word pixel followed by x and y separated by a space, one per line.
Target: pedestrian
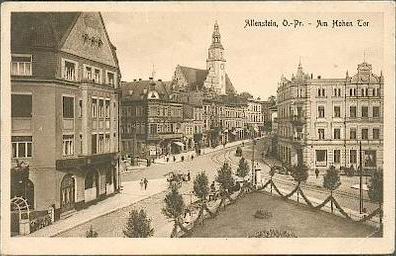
pixel 192 157
pixel 316 172
pixel 141 184
pixel 145 183
pixel 182 158
pixel 174 159
pixel 188 176
pixel 167 159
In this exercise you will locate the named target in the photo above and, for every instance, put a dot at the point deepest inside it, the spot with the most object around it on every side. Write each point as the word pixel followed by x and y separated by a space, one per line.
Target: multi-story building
pixel 64 79
pixel 323 122
pixel 266 114
pixel 254 117
pixel 151 123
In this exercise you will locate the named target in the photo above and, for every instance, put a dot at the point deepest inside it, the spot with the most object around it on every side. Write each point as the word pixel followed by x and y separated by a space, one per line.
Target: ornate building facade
pixel 64 79
pixel 323 122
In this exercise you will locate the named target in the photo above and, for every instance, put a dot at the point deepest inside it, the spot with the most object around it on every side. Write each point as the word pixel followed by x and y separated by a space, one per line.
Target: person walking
pixel 188 176
pixel 141 184
pixel 145 183
pixel 316 172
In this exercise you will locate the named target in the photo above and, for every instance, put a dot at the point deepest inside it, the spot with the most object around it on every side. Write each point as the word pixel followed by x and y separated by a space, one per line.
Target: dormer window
pixel 97 76
pixel 88 73
pixel 21 65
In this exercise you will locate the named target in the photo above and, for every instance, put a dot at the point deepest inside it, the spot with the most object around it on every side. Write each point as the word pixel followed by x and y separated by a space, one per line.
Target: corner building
pixel 322 122
pixel 64 79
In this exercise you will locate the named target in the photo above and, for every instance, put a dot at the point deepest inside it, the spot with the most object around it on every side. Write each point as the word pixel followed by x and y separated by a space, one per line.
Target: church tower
pixel 215 63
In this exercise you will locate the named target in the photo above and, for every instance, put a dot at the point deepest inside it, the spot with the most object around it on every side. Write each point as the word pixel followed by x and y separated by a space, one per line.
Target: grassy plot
pixel 238 220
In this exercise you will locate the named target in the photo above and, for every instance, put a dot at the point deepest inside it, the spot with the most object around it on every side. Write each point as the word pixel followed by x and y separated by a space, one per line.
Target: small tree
pixel 91 233
pixel 243 170
pixel 299 173
pixel 226 181
pixel 331 181
pixel 138 225
pixel 201 190
pixel 376 189
pixel 174 208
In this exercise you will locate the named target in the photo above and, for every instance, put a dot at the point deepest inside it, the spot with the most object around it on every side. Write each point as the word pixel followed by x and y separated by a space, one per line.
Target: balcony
pixel 298 120
pixel 161 136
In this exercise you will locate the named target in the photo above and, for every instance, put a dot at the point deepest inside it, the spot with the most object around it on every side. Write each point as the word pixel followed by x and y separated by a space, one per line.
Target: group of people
pixel 181 158
pixel 143 183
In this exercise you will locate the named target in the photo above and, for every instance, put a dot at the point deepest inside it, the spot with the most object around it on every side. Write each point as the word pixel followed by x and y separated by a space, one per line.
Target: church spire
pixel 216 37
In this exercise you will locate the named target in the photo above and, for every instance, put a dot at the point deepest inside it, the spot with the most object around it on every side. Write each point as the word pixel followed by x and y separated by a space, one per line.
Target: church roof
pixel 44 29
pixel 195 78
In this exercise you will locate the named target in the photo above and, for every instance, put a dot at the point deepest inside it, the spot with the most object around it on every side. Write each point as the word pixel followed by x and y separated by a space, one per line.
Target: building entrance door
pixel 67 193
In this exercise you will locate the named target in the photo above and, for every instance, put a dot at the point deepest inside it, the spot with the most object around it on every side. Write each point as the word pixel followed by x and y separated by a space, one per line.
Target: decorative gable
pixel 88 39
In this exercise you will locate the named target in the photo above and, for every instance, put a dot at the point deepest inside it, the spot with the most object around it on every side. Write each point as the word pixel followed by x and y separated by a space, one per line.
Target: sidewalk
pixel 130 194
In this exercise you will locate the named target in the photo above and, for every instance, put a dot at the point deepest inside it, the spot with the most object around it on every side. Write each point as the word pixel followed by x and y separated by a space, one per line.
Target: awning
pixel 178 143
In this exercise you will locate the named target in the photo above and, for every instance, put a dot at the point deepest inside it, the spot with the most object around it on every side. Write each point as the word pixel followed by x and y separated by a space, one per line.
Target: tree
pixel 91 233
pixel 331 181
pixel 272 100
pixel 201 190
pixel 299 173
pixel 138 225
pixel 243 168
pixel 246 95
pixel 226 181
pixel 174 209
pixel 376 189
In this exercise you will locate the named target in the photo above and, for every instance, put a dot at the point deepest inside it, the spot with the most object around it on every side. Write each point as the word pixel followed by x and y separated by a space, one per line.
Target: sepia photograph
pixel 147 126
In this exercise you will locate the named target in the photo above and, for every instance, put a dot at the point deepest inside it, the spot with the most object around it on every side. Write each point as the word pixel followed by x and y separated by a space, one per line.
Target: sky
pixel 256 56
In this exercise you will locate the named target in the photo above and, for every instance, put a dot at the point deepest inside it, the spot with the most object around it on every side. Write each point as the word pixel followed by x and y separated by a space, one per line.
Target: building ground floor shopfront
pixel 74 183
pixel 321 155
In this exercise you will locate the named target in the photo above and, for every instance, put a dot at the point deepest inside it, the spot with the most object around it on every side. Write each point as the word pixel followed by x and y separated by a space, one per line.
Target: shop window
pixel 21 146
pixel 370 158
pixel 337 156
pixel 21 105
pixel 321 157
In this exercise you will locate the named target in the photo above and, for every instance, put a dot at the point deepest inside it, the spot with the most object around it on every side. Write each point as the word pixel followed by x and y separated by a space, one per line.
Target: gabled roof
pixel 40 29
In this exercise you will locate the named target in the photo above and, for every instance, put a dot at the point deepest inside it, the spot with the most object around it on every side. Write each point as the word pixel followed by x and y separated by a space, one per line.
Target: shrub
pixel 224 177
pixel 331 180
pixel 243 168
pixel 273 233
pixel 201 186
pixel 263 214
pixel 138 225
pixel 376 186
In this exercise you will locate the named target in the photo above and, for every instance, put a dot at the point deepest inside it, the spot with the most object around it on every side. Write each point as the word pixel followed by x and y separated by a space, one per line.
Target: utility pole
pixel 361 179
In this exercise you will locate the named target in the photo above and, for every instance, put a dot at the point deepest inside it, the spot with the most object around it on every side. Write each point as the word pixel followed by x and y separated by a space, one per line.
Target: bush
pixel 263 214
pixel 273 233
pixel 224 177
pixel 138 225
pixel 376 186
pixel 243 168
pixel 331 180
pixel 201 186
pixel 91 233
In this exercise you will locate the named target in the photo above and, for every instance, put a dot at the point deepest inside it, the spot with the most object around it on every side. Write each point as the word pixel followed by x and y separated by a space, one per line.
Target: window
pixel 153 128
pixel 321 156
pixel 68 107
pixel 370 158
pixel 337 156
pixel 94 107
pixel 364 111
pixel 101 108
pixel 81 143
pixel 337 134
pixel 97 76
pixel 101 143
pixel 319 92
pixel 323 92
pixel 376 111
pixel 352 156
pixel 352 134
pixel 21 105
pixel 321 111
pixel 321 134
pixel 70 70
pixel 21 65
pixel 337 111
pixel 352 111
pixel 80 108
pixel 94 143
pixel 110 78
pixel 68 145
pixel 107 108
pixel 88 73
pixel 21 146
pixel 365 134
pixel 376 133
pixel 107 142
